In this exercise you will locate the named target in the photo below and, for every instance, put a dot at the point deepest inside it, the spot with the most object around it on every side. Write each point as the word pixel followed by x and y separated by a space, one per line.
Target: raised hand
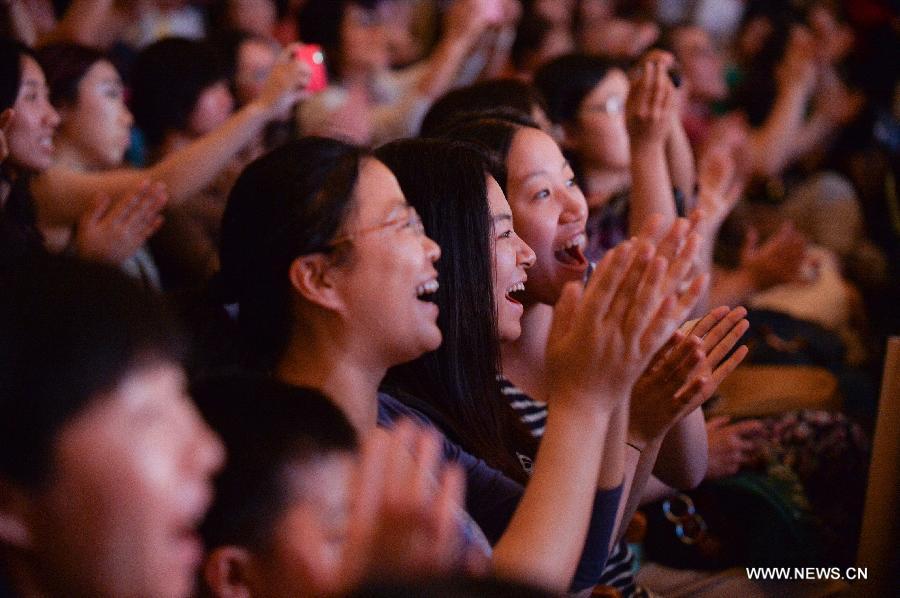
pixel 285 85
pixel 719 187
pixel 777 261
pixel 686 373
pixel 113 232
pixel 731 445
pixel 652 99
pixel 405 520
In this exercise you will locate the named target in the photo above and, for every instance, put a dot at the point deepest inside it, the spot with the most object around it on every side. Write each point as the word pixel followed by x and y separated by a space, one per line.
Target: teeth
pixel 579 240
pixel 427 288
pixel 519 286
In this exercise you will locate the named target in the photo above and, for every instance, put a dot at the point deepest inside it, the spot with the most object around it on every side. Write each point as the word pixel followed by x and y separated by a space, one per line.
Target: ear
pixel 313 278
pixel 14 508
pixel 5 118
pixel 226 571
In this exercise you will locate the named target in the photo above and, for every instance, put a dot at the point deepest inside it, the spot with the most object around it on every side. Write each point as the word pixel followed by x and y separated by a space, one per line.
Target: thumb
pixel 98 210
pixel 564 310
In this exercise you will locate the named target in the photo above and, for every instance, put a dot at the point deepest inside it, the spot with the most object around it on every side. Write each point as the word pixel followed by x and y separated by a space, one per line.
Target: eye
pixel 542 194
pixel 571 182
pixel 506 234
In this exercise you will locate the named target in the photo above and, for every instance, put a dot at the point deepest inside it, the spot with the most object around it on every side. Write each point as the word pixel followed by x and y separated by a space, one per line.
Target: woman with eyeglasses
pixel 333 279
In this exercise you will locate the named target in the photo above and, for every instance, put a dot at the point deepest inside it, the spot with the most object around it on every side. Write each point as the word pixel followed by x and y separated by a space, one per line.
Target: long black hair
pixel 290 202
pixel 19 235
pixel 447 183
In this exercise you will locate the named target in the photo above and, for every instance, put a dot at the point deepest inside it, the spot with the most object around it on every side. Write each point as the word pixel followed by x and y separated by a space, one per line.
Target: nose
pixel 127 117
pixel 432 249
pixel 208 451
pixel 51 116
pixel 525 256
pixel 575 207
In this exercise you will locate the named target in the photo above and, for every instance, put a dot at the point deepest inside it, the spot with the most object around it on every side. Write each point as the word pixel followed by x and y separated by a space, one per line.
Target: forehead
pixel 377 191
pixel 496 199
pixel 31 72
pixel 102 71
pixel 532 151
pixel 615 82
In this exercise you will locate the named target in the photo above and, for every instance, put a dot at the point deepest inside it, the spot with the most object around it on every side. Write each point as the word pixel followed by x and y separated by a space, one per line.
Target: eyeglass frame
pixel 409 217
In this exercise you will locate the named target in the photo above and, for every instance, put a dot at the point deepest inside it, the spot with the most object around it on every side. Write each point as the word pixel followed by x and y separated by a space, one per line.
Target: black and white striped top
pixel 620 566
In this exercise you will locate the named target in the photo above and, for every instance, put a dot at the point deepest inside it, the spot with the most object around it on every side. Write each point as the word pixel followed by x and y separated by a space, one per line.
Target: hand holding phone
pixel 312 55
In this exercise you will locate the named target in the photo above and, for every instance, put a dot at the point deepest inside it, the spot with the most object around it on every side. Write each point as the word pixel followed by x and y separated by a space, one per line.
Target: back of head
pixel 69 332
pixel 65 64
pixel 566 81
pixel 269 428
pixel 167 78
pixel 478 98
pixel 288 203
pixel 447 183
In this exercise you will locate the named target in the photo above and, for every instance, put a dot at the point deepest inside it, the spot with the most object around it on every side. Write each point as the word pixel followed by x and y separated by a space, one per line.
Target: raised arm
pixel 650 113
pixel 63 194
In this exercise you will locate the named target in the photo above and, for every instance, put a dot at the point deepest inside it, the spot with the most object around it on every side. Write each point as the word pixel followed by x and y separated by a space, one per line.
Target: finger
pixel 723 347
pixel 565 310
pixel 653 229
pixel 661 356
pixel 729 365
pixel 630 284
pixel 722 327
pixel 647 301
pixel 748 427
pixel 151 227
pixel 706 323
pixel 605 282
pixel 402 438
pixel 751 242
pixel 661 96
pixel 98 211
pixel 683 264
pixel 447 505
pixel 124 207
pixel 714 423
pixel 427 461
pixel 674 239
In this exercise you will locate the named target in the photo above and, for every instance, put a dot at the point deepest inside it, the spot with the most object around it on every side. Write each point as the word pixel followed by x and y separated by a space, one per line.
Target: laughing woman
pixel 331 271
pixel 91 135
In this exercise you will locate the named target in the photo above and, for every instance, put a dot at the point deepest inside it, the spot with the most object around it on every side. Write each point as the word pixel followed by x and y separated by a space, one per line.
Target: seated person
pixel 106 466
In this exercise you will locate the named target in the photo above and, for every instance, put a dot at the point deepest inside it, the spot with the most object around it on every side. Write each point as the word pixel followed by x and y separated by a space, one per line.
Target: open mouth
pixel 571 253
pixel 427 291
pixel 514 294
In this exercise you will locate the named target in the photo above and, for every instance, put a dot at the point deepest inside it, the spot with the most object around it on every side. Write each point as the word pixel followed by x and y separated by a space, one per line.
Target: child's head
pixel 106 466
pixel 279 519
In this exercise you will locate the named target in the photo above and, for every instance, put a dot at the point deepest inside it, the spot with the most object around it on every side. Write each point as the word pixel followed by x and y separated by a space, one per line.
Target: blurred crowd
pixel 441 297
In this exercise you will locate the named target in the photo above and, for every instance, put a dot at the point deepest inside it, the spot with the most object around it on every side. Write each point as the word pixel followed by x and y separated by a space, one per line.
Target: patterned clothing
pixel 619 570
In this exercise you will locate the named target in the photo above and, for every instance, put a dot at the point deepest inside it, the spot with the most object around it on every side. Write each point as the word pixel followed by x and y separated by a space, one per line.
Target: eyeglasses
pixel 408 217
pixel 612 105
pixel 689 526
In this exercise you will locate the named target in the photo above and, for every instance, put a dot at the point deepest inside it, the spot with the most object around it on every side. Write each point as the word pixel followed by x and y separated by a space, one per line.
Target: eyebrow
pixel 396 204
pixel 504 217
pixel 565 165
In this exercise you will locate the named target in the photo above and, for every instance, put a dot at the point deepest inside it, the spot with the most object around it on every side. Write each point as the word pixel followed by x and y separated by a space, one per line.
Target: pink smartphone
pixel 312 55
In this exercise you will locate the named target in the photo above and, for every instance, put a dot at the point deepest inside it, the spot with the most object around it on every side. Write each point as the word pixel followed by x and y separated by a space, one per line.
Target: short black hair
pixel 267 427
pixel 291 202
pixel 69 332
pixel 567 80
pixel 478 97
pixel 167 79
pixel 65 64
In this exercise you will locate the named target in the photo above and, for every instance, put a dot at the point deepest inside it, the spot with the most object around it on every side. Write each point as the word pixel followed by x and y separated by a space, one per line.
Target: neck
pixel 523 359
pixel 350 380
